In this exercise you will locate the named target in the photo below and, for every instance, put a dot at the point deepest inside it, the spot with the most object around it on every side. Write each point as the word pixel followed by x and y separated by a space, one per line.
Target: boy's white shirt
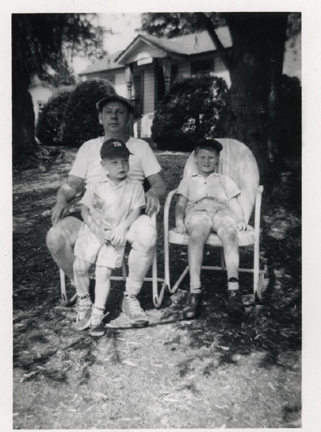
pixel 112 203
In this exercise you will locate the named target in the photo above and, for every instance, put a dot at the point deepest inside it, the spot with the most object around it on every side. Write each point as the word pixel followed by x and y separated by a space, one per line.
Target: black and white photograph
pixel 157 164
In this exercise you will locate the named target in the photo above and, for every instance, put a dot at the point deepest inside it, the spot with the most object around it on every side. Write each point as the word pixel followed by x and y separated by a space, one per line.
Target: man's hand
pixel 59 211
pixel 118 235
pixel 103 234
pixel 242 226
pixel 152 202
pixel 181 229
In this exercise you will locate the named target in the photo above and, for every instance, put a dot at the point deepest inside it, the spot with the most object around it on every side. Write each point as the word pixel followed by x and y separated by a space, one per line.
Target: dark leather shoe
pixel 235 303
pixel 192 306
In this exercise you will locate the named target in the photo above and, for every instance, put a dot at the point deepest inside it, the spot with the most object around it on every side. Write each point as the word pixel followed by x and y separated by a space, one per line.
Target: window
pixel 41 105
pixel 138 94
pixel 202 66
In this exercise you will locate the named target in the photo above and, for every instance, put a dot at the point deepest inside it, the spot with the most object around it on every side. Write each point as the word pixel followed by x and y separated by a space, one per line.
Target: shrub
pixel 51 117
pixel 81 117
pixel 189 111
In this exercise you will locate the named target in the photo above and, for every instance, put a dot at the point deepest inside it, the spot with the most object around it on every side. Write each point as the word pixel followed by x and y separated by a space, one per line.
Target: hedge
pixel 189 111
pixel 80 121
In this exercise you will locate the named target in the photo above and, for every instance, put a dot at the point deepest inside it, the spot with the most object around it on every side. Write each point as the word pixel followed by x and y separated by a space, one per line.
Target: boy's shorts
pixel 89 248
pixel 210 213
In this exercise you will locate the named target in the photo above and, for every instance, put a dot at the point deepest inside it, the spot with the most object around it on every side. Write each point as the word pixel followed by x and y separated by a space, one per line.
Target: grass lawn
pixel 207 373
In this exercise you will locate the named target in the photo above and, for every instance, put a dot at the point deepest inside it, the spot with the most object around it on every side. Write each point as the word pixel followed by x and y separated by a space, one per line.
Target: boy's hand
pixel 103 234
pixel 181 229
pixel 118 235
pixel 242 226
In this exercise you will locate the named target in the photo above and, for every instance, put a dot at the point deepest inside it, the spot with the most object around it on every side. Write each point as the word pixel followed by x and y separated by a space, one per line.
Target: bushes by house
pixel 189 111
pixel 80 122
pixel 51 117
pixel 70 117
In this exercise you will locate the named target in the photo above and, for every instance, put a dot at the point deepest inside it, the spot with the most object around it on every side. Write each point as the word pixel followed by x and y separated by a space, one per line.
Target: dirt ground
pixel 212 372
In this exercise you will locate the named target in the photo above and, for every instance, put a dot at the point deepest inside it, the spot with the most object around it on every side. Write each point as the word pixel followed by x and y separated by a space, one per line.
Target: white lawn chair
pixel 157 296
pixel 238 163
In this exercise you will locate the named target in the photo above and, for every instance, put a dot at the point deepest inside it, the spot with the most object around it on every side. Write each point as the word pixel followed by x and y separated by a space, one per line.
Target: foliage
pixel 40 44
pixel 291 116
pixel 175 24
pixel 188 112
pixel 81 120
pixel 51 117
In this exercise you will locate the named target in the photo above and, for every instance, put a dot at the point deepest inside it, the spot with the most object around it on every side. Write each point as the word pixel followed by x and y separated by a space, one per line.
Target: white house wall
pixel 39 94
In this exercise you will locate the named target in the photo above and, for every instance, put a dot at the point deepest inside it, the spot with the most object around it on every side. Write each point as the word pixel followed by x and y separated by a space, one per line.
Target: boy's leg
pixel 80 269
pixel 226 229
pixel 102 289
pixel 142 236
pixel 199 228
pixel 61 239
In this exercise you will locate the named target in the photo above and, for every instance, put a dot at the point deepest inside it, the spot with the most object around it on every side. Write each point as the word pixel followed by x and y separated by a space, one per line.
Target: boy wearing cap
pixel 109 207
pixel 208 202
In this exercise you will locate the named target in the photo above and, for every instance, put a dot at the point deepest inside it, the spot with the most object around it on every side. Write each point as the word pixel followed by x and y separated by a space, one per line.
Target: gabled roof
pixel 104 64
pixel 186 45
pixel 180 46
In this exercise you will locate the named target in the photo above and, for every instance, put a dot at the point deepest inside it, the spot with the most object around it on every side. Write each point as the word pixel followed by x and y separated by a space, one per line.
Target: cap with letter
pixel 113 148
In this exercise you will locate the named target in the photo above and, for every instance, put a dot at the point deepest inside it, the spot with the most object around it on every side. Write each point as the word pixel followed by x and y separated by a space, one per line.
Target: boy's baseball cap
pixel 111 98
pixel 114 147
pixel 204 142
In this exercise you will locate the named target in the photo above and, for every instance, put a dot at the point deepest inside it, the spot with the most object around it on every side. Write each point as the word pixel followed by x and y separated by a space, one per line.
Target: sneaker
pixel 83 308
pixel 97 326
pixel 192 306
pixel 235 303
pixel 132 308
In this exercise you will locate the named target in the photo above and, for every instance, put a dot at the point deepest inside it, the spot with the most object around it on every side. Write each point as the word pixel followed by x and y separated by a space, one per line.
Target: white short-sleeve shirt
pixel 142 162
pixel 112 203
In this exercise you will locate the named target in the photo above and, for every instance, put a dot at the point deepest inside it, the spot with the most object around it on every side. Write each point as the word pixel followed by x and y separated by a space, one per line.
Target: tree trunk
pixel 256 71
pixel 23 123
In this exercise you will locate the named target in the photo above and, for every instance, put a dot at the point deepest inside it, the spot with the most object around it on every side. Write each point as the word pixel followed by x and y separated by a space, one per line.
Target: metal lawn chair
pixel 238 163
pixel 157 295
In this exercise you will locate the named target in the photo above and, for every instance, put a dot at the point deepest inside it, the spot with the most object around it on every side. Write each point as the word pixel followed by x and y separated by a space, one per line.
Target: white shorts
pixel 89 248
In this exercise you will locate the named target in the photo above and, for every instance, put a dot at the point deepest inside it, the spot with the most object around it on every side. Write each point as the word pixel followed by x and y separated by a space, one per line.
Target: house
pixel 40 92
pixel 145 70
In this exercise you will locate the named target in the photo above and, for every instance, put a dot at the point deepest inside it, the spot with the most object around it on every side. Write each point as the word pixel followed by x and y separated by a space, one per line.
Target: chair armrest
pixel 166 211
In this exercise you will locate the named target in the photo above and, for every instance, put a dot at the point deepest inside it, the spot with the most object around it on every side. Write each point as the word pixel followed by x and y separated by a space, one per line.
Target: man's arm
pixel 157 190
pixel 180 213
pixel 65 194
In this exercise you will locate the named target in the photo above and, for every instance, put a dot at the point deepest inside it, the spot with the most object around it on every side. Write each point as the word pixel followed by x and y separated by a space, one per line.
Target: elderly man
pixel 115 113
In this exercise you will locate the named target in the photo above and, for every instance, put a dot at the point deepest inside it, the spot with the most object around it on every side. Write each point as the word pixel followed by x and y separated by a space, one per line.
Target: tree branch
pixel 206 23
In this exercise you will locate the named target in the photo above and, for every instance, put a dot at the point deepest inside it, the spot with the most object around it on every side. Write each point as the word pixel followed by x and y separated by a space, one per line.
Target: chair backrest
pixel 238 163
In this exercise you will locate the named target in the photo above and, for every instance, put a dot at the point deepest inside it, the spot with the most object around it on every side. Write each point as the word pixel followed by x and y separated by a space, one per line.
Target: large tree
pixel 255 63
pixel 41 43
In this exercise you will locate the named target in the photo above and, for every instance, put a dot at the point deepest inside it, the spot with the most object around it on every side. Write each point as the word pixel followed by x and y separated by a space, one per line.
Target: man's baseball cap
pixel 112 98
pixel 212 143
pixel 114 147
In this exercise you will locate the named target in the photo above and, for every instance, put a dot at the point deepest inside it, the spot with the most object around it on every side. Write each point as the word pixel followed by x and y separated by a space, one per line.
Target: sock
pixel 233 284
pixel 195 286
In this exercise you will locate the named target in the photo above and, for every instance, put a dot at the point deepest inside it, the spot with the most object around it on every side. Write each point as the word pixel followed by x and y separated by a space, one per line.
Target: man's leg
pixel 226 230
pixel 199 228
pixel 142 236
pixel 60 240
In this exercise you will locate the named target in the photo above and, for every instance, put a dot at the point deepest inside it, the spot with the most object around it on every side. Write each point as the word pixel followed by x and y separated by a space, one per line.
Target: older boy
pixel 208 202
pixel 109 207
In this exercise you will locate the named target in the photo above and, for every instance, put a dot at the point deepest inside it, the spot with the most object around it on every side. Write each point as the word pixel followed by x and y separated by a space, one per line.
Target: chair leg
pixel 63 286
pixel 256 271
pixel 222 258
pixel 124 270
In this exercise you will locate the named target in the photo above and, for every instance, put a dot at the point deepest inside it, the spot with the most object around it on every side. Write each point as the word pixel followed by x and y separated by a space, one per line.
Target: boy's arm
pixel 236 208
pixel 118 234
pixel 99 231
pixel 180 213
